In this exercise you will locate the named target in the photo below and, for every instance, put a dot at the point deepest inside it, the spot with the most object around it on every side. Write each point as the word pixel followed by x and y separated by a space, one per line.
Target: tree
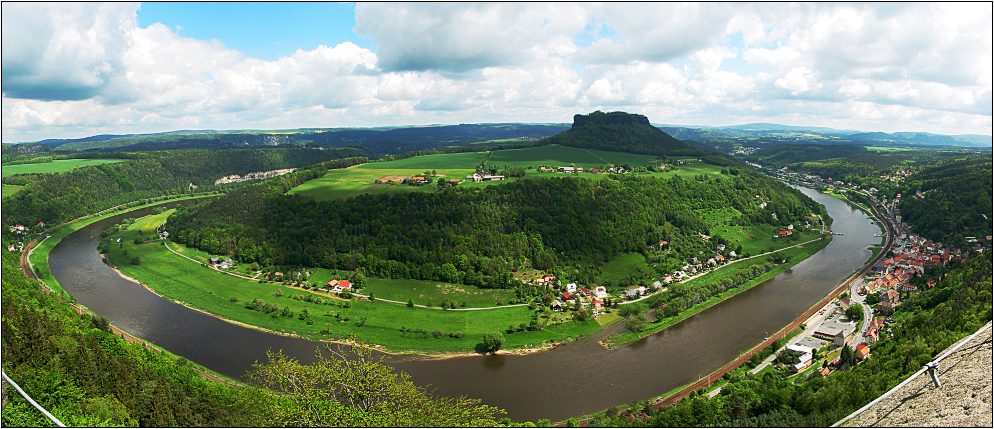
pixel 135 261
pixel 492 342
pixel 410 303
pixel 855 312
pixel 358 389
pixel 358 280
pixel 635 322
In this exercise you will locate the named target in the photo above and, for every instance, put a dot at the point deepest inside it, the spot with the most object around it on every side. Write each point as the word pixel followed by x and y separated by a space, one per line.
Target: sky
pixel 79 69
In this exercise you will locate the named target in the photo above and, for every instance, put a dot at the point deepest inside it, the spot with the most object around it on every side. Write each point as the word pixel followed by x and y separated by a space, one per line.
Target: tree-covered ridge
pixel 925 325
pixel 87 376
pixel 620 132
pixel 955 200
pixel 479 236
pixel 54 198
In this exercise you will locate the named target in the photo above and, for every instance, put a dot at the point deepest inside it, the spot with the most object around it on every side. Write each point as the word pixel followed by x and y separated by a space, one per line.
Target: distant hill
pixel 620 132
pixel 375 141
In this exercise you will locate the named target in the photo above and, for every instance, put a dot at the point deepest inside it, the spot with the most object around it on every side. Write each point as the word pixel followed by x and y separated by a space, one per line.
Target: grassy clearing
pixel 556 155
pixel 8 190
pixel 620 267
pixel 888 149
pixel 54 166
pixel 433 293
pixel 795 255
pixel 330 318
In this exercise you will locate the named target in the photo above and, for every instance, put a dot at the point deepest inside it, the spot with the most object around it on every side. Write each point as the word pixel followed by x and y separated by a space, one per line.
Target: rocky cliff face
pixel 611 118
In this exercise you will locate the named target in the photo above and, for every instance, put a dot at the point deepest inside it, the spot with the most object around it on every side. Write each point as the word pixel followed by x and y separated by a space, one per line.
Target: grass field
pixel 372 322
pixel 8 190
pixel 620 267
pixel 360 179
pixel 55 166
pixel 556 155
pixel 422 292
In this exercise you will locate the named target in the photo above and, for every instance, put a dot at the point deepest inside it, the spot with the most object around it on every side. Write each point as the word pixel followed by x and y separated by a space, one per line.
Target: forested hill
pixel 479 236
pixel 620 132
pixel 955 201
pixel 54 198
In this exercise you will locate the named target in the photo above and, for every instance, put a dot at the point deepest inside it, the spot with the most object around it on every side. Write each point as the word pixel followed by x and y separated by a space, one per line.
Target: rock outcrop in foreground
pixel 963 400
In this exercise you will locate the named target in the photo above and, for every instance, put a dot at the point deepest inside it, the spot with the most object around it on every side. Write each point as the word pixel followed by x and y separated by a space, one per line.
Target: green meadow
pixel 54 166
pixel 321 316
pixel 361 179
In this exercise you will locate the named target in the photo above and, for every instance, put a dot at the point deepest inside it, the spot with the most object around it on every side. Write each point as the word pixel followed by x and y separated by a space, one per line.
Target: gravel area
pixel 963 400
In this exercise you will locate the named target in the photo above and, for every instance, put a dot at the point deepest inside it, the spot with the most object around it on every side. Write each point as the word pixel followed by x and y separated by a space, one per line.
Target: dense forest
pixel 956 201
pixel 87 376
pixel 54 198
pixel 479 236
pixel 925 325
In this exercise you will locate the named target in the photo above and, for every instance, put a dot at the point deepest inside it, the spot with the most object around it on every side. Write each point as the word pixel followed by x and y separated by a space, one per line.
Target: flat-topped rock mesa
pixel 610 118
pixel 620 132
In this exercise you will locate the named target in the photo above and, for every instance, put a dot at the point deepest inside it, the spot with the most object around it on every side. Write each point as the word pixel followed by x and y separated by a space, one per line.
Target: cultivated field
pixel 55 166
pixel 360 179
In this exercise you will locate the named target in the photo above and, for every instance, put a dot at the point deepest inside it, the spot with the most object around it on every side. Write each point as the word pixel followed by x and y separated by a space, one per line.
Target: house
pixel 571 287
pixel 566 169
pixel 556 305
pixel 584 291
pixel 41 223
pixel 732 254
pixel 495 178
pixel 804 360
pixel 337 286
pixel 785 233
pixel 720 258
pixel 888 301
pixel 600 292
pixel 595 170
pixel 228 263
pixel 597 303
pixel 278 274
pixel 453 182
pixel 566 296
pixel 657 284
pixel 838 333
pixel 862 351
pixel 214 261
pixel 824 372
pixel 632 293
pixel 545 168
pixel 720 247
pixel 12 247
pixel 667 279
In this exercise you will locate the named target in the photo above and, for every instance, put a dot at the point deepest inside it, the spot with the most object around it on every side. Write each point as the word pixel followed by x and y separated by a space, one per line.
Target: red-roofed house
pixel 862 351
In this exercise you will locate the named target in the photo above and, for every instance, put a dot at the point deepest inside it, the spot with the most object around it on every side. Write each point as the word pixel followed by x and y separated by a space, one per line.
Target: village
pixel 842 333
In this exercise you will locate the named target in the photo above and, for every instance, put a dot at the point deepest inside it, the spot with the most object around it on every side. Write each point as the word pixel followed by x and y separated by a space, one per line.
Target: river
pixel 570 380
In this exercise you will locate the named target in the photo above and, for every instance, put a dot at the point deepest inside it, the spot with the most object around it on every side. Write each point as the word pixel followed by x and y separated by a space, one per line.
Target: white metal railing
pixel 32 401
pixel 930 367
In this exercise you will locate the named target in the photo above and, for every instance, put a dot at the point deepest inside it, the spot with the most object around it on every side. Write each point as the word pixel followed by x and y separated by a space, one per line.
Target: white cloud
pixel 90 68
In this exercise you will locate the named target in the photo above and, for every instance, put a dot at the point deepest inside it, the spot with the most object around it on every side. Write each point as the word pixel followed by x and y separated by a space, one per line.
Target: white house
pixel 571 287
pixel 600 291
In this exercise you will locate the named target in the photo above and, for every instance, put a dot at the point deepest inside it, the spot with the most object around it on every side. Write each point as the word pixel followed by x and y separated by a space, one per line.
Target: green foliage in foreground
pixel 87 376
pixel 925 325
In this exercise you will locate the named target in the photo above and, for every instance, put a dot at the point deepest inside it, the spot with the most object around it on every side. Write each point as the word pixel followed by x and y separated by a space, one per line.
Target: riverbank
pixel 37 254
pixel 795 255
